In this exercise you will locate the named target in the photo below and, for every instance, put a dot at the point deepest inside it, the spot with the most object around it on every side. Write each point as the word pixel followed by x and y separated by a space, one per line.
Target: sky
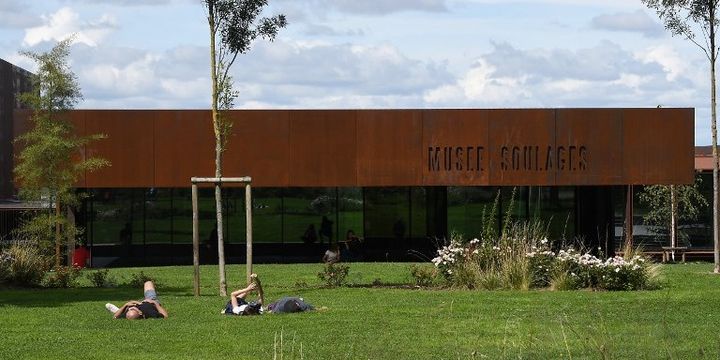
pixel 374 54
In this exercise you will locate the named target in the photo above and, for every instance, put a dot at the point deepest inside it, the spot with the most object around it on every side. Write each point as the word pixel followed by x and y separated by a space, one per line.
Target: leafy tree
pixel 50 162
pixel 234 26
pixel 671 204
pixel 696 21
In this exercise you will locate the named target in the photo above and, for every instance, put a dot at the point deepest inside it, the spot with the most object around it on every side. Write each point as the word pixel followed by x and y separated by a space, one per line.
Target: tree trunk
pixel 673 220
pixel 58 237
pixel 218 150
pixel 713 92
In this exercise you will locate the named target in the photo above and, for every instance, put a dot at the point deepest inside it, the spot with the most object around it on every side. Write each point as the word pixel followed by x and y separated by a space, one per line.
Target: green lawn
pixel 678 322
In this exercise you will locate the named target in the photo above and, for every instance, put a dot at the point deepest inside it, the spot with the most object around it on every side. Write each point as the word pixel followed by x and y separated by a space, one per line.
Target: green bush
pixel 137 280
pixel 334 274
pixel 101 278
pixel 23 265
pixel 423 275
pixel 62 277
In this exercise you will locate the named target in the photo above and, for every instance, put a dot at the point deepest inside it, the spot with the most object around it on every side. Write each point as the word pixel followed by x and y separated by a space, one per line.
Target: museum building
pixel 402 180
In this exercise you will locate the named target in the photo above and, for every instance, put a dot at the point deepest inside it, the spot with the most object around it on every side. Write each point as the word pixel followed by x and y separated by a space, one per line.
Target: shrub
pixel 137 280
pixel 62 277
pixel 101 278
pixel 518 261
pixel 423 275
pixel 334 274
pixel 23 264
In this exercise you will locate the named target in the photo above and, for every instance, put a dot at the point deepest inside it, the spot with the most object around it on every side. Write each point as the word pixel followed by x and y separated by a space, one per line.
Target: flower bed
pixel 520 260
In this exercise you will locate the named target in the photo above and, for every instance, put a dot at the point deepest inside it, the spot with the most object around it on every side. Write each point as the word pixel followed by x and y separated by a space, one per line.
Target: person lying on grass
pixel 239 306
pixel 147 308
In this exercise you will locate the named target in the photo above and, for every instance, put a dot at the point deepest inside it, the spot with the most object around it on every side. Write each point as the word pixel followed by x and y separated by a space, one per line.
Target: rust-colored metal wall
pixel 164 148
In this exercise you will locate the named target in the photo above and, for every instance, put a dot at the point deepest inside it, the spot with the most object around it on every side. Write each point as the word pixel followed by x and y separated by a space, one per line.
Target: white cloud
pixel 511 77
pixel 672 62
pixel 66 22
pixel 637 21
pixel 366 7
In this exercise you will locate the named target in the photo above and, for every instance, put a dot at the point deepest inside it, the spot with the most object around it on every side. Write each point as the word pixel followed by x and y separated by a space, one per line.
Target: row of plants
pixel 524 262
pixel 26 265
pixel 520 256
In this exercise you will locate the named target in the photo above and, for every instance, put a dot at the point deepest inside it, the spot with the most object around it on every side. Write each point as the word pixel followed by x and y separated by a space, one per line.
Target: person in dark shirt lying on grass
pixel 239 306
pixel 147 308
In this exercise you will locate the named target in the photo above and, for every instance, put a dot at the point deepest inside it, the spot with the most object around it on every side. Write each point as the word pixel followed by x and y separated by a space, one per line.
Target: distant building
pixel 13 82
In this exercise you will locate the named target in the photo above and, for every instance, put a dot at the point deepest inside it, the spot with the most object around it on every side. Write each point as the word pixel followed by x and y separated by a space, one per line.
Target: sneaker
pixel 111 308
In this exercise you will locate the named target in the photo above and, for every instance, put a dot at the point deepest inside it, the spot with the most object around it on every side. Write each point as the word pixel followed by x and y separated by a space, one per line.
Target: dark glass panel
pixel 117 216
pixel 350 212
pixel 387 213
pixel 158 216
pixel 418 213
pixel 182 216
pixel 556 206
pixel 307 210
pixel 266 215
pixel 515 201
pixel 470 207
pixel 234 199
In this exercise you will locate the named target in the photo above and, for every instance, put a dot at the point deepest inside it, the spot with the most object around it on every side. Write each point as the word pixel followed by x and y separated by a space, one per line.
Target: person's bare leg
pixel 148 286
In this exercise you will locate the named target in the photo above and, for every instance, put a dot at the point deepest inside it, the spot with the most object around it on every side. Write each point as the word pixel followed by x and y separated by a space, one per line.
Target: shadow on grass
pixel 45 297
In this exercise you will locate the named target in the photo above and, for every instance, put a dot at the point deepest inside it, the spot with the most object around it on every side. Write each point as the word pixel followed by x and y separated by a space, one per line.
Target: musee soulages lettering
pixel 511 158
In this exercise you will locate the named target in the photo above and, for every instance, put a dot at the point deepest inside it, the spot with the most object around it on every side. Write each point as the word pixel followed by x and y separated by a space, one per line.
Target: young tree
pixel 690 18
pixel 670 204
pixel 234 26
pixel 50 163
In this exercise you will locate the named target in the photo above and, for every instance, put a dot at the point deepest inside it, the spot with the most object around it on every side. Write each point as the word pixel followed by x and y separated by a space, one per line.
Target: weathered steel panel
pixel 128 147
pixel 184 147
pixel 589 141
pixel 522 147
pixel 395 147
pixel 658 146
pixel 455 148
pixel 259 147
pixel 388 147
pixel 323 148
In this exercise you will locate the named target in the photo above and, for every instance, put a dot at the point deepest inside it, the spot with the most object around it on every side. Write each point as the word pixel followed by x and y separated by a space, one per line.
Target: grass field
pixel 365 322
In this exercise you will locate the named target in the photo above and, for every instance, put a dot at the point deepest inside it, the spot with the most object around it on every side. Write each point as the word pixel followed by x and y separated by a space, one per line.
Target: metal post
pixel 629 218
pixel 248 230
pixel 196 241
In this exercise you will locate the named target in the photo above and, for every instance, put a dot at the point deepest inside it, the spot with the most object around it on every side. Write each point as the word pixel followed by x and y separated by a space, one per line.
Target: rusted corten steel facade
pixel 318 148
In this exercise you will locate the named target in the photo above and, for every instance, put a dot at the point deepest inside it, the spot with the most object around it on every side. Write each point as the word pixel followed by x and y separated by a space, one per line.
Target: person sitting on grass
pixel 147 308
pixel 239 306
pixel 332 255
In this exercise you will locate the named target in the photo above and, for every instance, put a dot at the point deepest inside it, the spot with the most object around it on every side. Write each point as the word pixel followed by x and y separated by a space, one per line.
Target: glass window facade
pixel 556 207
pixel 467 207
pixel 299 223
pixel 117 216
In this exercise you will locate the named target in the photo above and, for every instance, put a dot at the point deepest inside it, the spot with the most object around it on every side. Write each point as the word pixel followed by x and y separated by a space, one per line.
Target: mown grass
pixel 365 322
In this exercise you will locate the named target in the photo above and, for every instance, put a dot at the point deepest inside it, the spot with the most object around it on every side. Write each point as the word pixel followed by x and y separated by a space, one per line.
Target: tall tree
pixel 50 162
pixel 696 21
pixel 234 26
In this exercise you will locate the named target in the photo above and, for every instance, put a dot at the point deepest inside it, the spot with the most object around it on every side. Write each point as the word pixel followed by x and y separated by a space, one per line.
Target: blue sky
pixel 153 54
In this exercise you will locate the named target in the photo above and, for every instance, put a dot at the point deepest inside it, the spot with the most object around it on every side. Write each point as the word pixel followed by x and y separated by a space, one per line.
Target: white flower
pixel 617 269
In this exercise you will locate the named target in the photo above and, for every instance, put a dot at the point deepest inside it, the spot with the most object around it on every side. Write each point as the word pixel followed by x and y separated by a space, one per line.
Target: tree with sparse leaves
pixel 668 205
pixel 696 21
pixel 234 26
pixel 50 162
